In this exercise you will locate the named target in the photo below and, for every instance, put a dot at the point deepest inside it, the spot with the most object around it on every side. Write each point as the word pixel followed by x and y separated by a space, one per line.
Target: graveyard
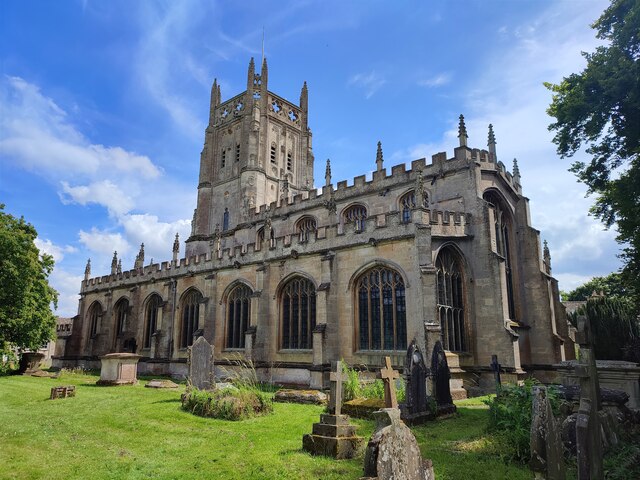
pixel 138 432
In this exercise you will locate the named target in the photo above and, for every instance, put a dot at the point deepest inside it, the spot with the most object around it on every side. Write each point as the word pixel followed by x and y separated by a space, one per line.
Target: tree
pixel 26 319
pixel 599 108
pixel 611 285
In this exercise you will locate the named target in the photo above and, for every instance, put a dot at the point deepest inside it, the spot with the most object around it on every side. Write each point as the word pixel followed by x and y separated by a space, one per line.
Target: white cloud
pixel 104 243
pixel 56 251
pixel 369 82
pixel 68 286
pixel 436 81
pixel 102 193
pixel 37 134
pixel 157 236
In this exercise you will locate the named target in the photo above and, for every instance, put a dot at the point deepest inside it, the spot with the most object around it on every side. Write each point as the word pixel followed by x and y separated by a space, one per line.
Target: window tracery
pixel 151 319
pixel 190 315
pixel 298 310
pixel 238 314
pixel 306 227
pixel 451 305
pixel 357 215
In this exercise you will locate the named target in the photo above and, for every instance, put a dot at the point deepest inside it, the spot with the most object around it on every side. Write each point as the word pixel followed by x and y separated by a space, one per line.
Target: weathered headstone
pixel 416 408
pixel 63 392
pixel 119 369
pixel 588 438
pixel 389 376
pixel 393 452
pixel 441 374
pixel 495 368
pixel 547 456
pixel 201 366
pixel 333 436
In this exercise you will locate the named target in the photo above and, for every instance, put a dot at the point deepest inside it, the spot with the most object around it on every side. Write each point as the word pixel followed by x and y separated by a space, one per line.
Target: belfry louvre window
pixel 237 152
pixel 298 307
pixel 190 312
pixel 408 203
pixel 94 316
pixel 451 301
pixel 273 153
pixel 289 162
pixel 151 319
pixel 122 307
pixel 223 159
pixel 381 310
pixel 357 215
pixel 306 227
pixel 238 312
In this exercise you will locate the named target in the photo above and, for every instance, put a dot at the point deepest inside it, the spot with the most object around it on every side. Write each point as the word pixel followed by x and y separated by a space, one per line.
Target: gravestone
pixel 416 407
pixel 495 368
pixel 119 369
pixel 389 376
pixel 201 366
pixel 393 452
pixel 547 455
pixel 62 392
pixel 588 437
pixel 333 436
pixel 441 375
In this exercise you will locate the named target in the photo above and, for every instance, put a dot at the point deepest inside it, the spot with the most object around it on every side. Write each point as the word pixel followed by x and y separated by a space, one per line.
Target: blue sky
pixel 103 107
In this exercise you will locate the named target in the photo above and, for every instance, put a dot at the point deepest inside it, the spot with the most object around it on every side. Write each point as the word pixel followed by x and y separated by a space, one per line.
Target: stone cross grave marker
pixel 336 377
pixel 416 376
pixel 201 367
pixel 388 376
pixel 495 368
pixel 588 436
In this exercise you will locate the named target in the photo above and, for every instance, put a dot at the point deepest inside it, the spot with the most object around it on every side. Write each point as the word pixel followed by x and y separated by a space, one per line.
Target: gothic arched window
pixel 450 300
pixel 357 215
pixel 95 312
pixel 502 229
pixel 238 314
pixel 381 310
pixel 121 311
pixel 408 203
pixel 225 220
pixel 305 227
pixel 151 318
pixel 298 307
pixel 190 314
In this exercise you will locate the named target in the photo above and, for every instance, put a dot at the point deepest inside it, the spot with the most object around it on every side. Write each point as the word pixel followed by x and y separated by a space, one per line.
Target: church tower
pixel 257 150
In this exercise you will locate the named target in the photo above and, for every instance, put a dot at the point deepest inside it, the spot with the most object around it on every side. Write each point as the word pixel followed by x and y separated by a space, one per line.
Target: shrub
pixel 615 327
pixel 510 418
pixel 229 403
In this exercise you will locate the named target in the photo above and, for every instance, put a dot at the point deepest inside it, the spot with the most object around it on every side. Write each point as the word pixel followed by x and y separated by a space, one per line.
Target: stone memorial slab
pixel 441 376
pixel 201 366
pixel 547 453
pixel 164 383
pixel 314 397
pixel 119 369
pixel 393 452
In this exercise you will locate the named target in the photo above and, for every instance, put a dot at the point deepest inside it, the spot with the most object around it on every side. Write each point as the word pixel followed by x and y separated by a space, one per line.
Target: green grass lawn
pixel 135 432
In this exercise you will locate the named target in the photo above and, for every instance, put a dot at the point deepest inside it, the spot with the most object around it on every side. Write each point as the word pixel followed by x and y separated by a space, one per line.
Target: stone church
pixel 293 276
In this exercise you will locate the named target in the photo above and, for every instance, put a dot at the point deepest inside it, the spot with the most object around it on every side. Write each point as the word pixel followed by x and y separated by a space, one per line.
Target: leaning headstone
pixel 547 456
pixel 588 436
pixel 389 376
pixel 416 407
pixel 201 366
pixel 119 369
pixel 333 436
pixel 441 375
pixel 495 368
pixel 393 452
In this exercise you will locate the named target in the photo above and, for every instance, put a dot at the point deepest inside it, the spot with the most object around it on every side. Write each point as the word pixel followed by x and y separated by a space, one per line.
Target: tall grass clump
pixel 510 418
pixel 230 403
pixel 354 387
